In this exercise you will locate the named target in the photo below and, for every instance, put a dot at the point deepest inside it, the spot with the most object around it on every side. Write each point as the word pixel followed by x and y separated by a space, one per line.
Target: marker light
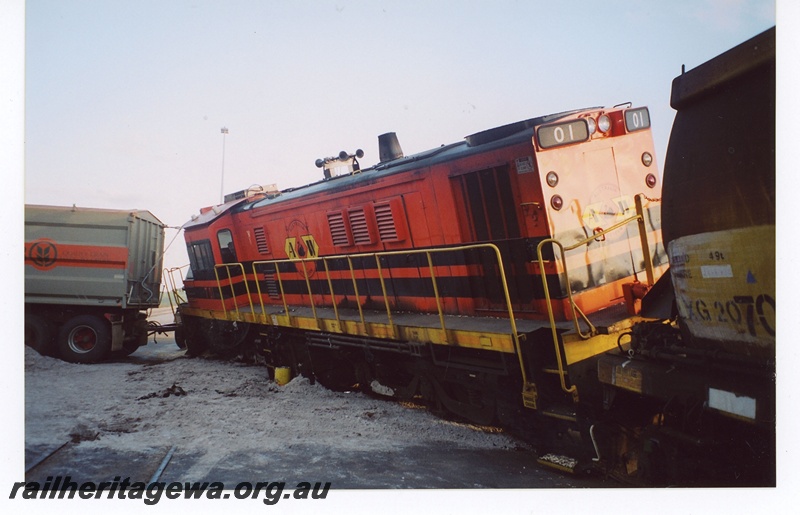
pixel 557 202
pixel 552 179
pixel 647 159
pixel 604 123
pixel 650 180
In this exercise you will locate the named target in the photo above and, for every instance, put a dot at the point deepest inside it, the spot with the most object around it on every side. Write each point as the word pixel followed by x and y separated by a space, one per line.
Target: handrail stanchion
pixel 260 295
pixel 221 296
pixel 383 290
pixel 436 293
pixel 280 286
pixel 355 289
pixel 247 291
pixel 310 293
pixel 330 287
pixel 648 259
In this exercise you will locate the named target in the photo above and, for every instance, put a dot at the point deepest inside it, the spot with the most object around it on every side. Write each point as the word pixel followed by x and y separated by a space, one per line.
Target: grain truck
pixel 90 277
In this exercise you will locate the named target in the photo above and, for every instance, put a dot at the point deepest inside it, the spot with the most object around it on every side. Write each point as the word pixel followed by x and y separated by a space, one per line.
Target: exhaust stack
pixel 389 147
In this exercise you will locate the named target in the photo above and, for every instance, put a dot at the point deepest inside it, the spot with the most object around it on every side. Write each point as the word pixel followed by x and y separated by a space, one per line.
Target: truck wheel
pixel 180 337
pixel 39 334
pixel 84 339
pixel 131 343
pixel 127 349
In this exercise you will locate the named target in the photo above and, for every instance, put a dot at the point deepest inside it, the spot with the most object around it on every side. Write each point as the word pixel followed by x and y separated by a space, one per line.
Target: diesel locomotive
pixel 534 275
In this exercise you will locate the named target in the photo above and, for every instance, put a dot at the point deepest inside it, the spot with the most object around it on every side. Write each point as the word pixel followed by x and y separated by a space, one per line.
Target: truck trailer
pixel 90 277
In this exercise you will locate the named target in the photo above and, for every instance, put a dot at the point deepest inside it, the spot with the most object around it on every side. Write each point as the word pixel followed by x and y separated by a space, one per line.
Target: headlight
pixel 603 123
pixel 592 125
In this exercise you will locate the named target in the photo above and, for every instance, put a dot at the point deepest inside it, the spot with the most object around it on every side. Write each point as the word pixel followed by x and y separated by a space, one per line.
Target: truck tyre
pixel 180 337
pixel 134 341
pixel 128 348
pixel 39 334
pixel 84 339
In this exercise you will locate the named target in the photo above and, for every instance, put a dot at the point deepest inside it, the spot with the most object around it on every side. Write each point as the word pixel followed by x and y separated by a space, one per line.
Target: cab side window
pixel 226 248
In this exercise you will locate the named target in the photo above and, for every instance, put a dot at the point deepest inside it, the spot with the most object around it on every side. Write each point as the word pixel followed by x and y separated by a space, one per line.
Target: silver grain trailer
pixel 90 276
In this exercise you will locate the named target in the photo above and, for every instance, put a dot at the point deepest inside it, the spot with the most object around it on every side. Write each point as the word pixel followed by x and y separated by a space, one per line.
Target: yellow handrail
pixel 385 296
pixel 310 292
pixel 639 217
pixel 436 293
pixel 648 259
pixel 333 295
pixel 355 290
pixel 174 297
pixel 227 266
pixel 260 296
pixel 377 256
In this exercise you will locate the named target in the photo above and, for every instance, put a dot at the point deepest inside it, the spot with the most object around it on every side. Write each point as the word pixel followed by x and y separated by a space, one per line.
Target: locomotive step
pixel 559 462
pixel 561 412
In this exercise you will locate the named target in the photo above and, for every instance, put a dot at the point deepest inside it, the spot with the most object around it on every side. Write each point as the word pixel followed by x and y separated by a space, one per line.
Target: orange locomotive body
pixel 567 176
pixel 463 276
pixel 457 275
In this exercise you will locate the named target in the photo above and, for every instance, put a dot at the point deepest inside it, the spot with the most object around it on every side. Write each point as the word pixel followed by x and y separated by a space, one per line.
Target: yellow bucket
pixel 283 375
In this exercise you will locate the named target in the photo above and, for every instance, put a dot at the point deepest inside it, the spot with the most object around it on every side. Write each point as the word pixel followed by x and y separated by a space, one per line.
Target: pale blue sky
pixel 125 99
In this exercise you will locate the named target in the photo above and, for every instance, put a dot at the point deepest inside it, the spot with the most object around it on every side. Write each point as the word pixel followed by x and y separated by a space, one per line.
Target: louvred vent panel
pixel 261 240
pixel 387 230
pixel 338 230
pixel 358 225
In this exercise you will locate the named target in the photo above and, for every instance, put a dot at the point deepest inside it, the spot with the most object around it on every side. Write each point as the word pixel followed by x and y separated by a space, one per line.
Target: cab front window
pixel 200 257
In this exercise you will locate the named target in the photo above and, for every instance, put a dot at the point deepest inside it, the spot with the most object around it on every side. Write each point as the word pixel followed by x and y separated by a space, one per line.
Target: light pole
pixel 224 132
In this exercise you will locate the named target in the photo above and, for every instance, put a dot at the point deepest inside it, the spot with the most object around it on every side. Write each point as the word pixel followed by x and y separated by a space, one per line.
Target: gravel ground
pixel 215 408
pixel 226 421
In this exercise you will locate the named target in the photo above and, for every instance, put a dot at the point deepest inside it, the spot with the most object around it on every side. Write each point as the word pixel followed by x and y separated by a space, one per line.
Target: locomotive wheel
pixel 224 339
pixel 473 405
pixel 39 334
pixel 194 335
pixel 227 338
pixel 84 339
pixel 335 373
